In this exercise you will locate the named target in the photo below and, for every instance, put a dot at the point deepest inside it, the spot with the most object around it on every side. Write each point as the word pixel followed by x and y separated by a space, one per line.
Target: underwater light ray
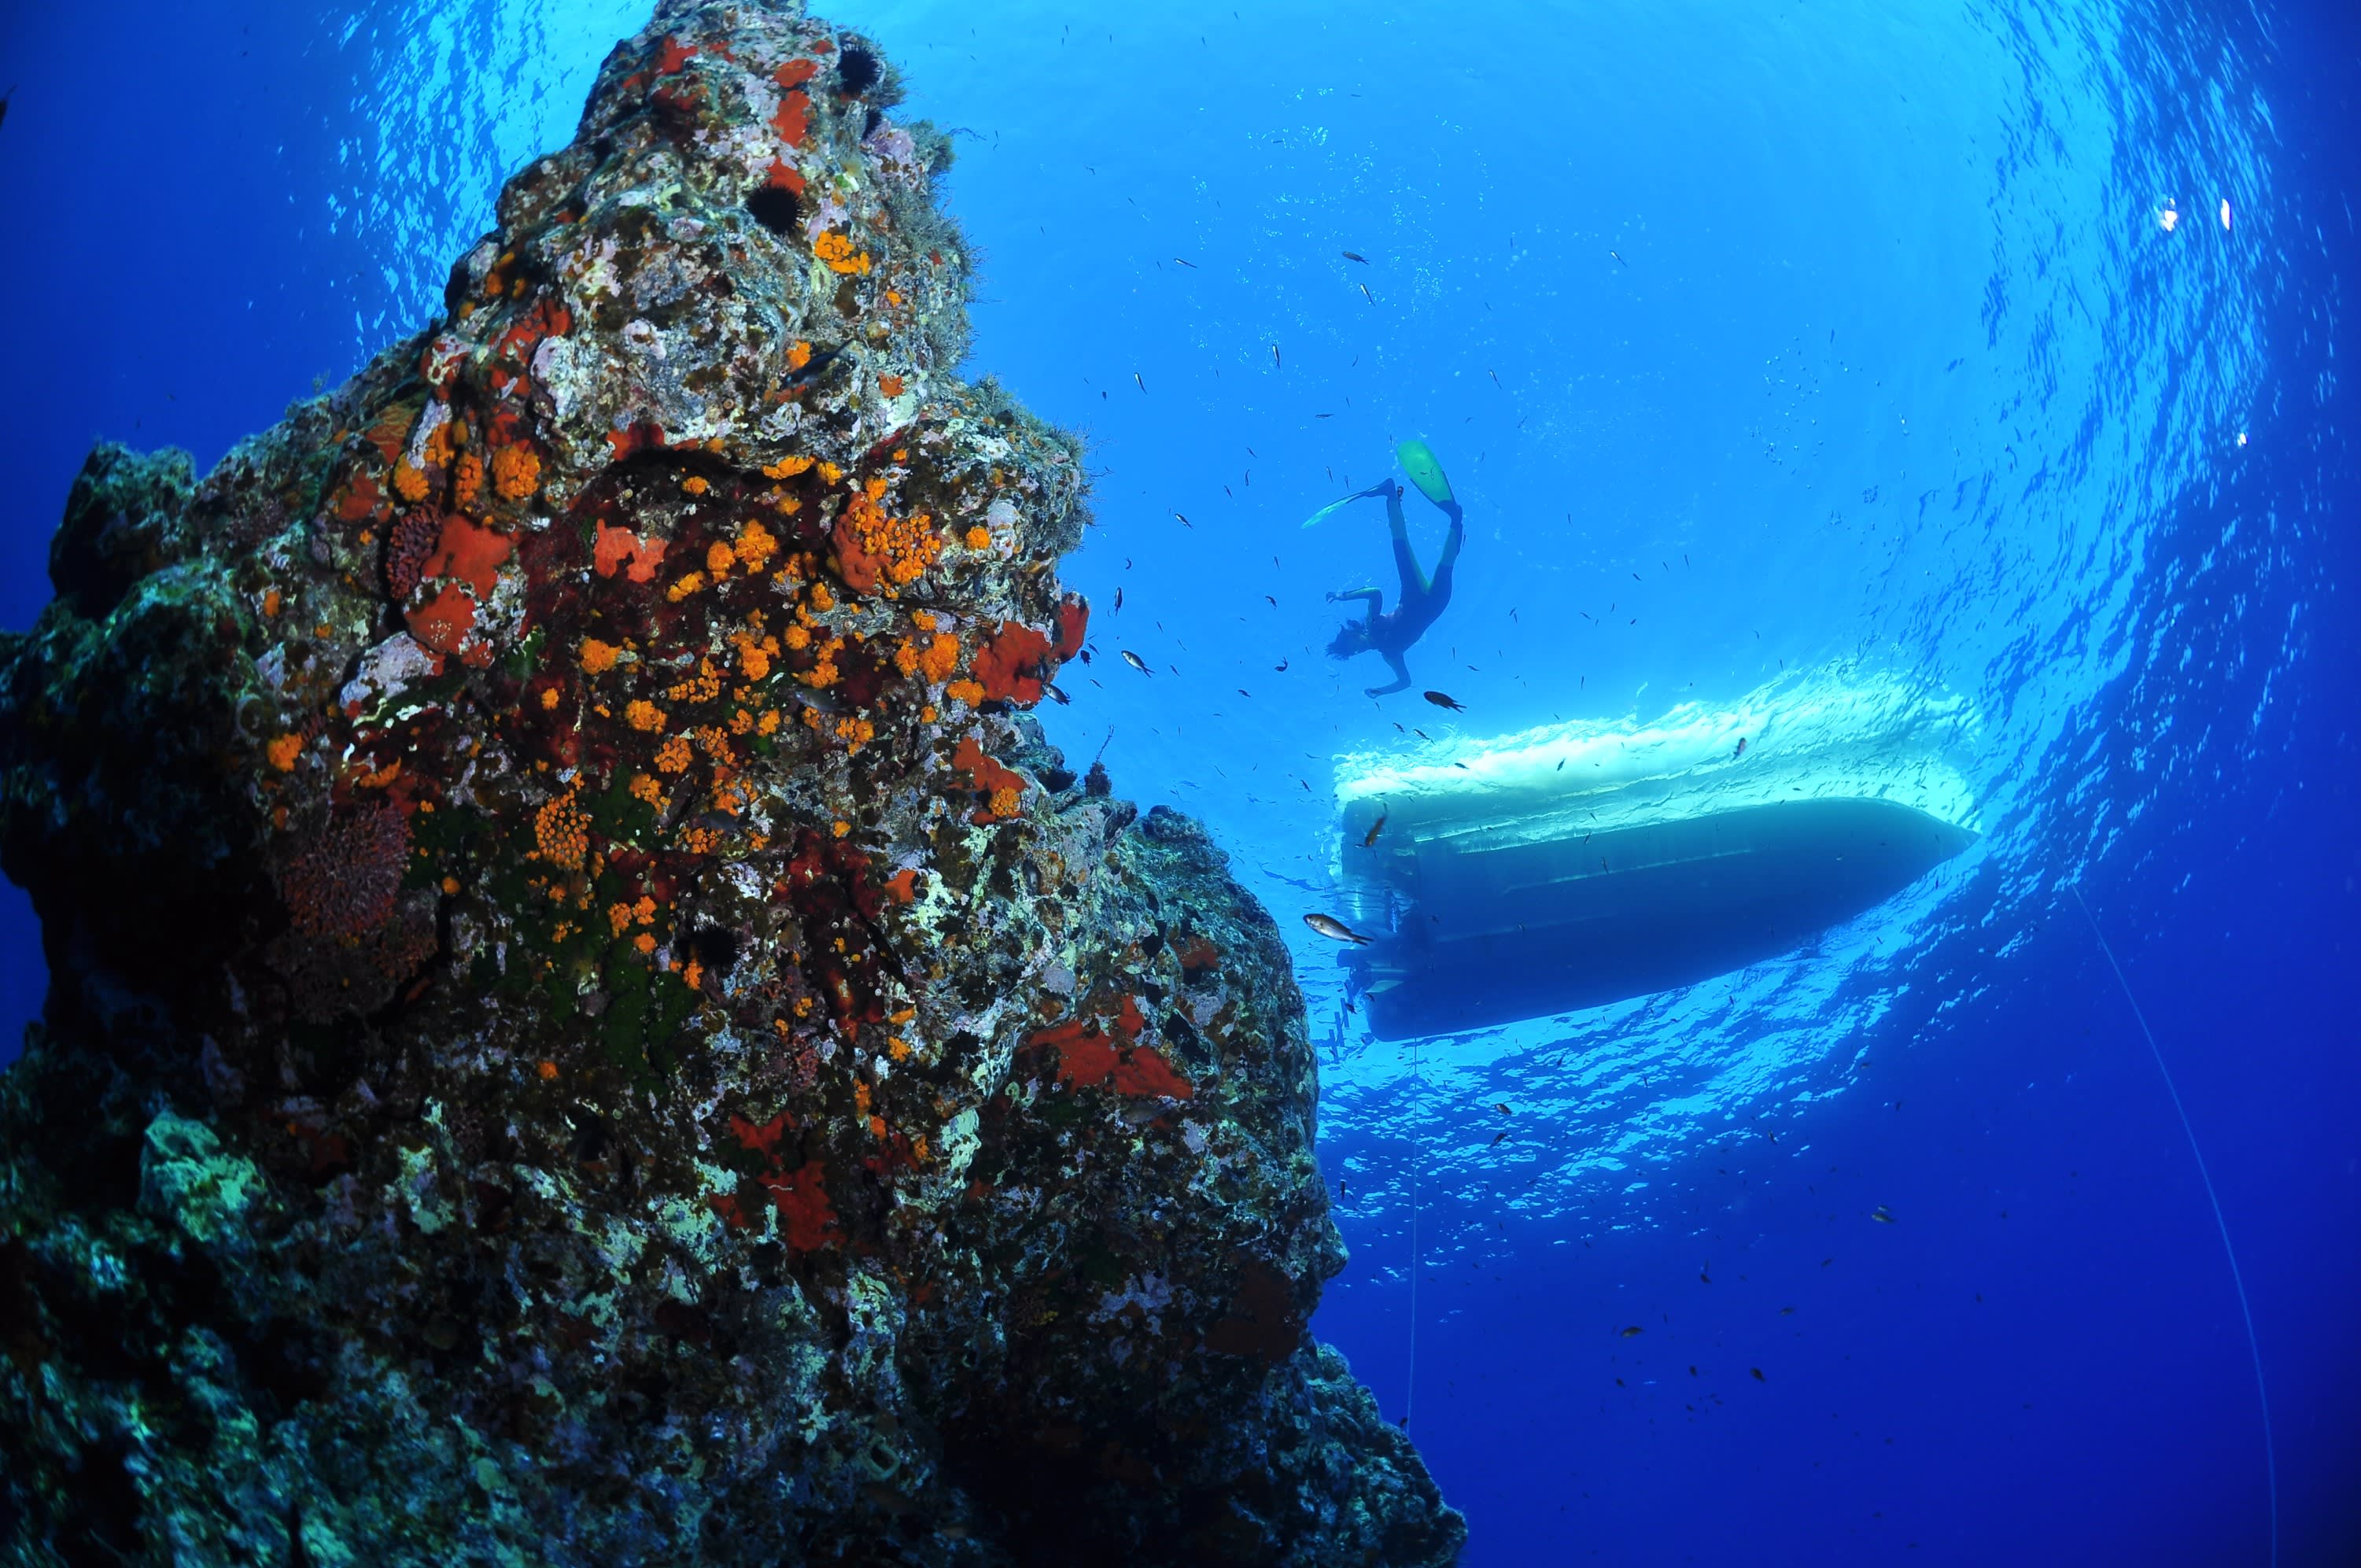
pixel 2254 1344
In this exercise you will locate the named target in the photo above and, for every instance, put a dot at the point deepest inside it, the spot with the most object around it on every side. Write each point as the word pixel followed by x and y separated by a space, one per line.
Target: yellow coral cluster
pixel 467 480
pixel 789 467
pixel 716 742
pixel 755 653
pixel 823 673
pixel 836 251
pixel 516 472
pixel 908 545
pixel 598 657
pixel 563 832
pixel 855 733
pixel 641 713
pixel 409 481
pixel 756 545
pixel 703 687
pixel 673 755
pixel 283 751
pixel 693 583
pixel 968 692
pixel 622 916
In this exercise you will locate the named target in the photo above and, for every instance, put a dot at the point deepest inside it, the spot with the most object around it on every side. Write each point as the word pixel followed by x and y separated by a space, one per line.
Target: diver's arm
pixel 1402 676
pixel 1377 598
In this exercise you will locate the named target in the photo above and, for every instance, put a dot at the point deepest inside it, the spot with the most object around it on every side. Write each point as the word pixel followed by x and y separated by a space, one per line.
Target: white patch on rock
pixel 960 1141
pixel 641 334
pixel 387 668
pixel 1151 1293
pixel 553 371
pixel 437 416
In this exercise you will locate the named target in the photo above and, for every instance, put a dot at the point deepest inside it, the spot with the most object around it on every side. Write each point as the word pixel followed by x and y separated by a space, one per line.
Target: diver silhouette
pixel 1421 599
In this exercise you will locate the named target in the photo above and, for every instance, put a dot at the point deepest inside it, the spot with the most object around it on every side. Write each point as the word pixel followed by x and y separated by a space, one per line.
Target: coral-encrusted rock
pixel 587 1025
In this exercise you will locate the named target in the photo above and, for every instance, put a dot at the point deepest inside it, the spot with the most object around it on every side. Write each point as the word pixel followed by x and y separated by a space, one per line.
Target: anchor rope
pixel 2254 1344
pixel 1410 1393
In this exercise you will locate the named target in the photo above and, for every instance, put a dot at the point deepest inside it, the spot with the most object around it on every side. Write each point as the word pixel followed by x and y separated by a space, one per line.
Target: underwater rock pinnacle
pixel 586 1023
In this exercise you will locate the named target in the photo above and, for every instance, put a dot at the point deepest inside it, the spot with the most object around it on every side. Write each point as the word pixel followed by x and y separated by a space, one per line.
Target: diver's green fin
pixel 1333 508
pixel 1418 461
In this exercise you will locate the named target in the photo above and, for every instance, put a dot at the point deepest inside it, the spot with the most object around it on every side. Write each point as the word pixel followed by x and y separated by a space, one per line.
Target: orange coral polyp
pixel 756 545
pixel 563 833
pixel 644 715
pixel 516 472
pixel 940 657
pixel 838 252
pixel 598 657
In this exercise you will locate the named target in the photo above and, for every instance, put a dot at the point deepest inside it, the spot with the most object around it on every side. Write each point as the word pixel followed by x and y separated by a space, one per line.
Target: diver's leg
pixel 1402 676
pixel 1441 588
pixel 1413 581
pixel 1451 542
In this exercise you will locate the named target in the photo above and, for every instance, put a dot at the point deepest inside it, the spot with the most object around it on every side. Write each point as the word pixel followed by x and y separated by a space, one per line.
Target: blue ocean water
pixel 1775 352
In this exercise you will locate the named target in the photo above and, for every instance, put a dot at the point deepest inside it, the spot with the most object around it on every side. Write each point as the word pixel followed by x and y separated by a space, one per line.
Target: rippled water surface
pixel 1985 355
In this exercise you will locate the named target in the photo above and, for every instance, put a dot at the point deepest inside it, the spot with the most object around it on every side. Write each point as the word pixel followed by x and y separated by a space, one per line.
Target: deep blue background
pixel 2042 1359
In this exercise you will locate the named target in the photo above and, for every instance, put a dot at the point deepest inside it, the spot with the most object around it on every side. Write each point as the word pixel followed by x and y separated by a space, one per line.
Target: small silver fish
pixel 1329 925
pixel 1137 662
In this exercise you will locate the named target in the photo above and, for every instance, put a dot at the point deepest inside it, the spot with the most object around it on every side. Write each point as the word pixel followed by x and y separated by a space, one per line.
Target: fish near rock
pixel 1334 930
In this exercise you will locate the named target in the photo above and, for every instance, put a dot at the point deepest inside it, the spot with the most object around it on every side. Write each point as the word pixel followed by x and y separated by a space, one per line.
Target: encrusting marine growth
pixel 587 1025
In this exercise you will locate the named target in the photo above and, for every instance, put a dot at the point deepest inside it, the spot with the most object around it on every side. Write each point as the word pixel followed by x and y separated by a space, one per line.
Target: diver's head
pixel 1351 638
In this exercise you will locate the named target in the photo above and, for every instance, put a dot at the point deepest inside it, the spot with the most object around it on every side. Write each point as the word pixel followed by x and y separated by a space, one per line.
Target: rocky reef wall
pixel 587 1025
